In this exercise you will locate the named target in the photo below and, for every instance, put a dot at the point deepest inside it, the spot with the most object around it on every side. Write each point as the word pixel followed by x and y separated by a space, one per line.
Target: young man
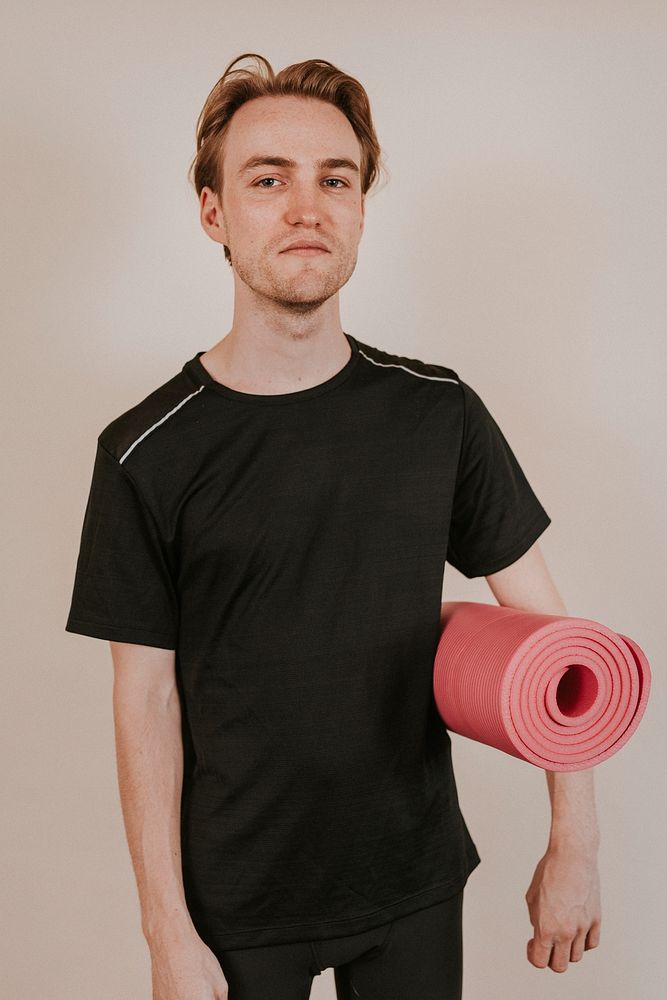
pixel 263 546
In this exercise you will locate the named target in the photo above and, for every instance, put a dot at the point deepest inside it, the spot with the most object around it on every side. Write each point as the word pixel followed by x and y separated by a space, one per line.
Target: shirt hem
pixel 321 930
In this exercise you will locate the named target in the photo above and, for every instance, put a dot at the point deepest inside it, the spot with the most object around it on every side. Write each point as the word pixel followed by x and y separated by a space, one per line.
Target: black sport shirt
pixel 291 549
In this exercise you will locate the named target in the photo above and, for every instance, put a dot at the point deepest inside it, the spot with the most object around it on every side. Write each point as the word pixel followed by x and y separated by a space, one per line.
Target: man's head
pixel 317 118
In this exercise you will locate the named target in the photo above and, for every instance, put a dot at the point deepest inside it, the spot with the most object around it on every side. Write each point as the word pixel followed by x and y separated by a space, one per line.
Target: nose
pixel 304 203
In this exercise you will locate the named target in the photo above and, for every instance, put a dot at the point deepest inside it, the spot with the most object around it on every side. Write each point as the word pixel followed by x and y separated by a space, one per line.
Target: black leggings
pixel 416 957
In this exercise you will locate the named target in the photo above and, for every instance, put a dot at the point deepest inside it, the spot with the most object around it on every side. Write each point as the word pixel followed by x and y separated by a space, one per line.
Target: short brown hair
pixel 313 78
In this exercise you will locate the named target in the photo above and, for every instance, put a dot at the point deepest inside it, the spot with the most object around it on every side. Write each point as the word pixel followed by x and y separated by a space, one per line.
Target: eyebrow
pixel 332 163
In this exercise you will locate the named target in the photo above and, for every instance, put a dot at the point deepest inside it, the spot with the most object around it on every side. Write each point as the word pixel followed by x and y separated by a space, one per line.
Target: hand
pixel 183 967
pixel 564 906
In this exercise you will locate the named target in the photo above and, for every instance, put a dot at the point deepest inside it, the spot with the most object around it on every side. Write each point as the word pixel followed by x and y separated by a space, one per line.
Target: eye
pixel 261 182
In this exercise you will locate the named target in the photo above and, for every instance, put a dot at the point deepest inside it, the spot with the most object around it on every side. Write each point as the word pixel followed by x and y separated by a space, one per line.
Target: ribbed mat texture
pixel 563 693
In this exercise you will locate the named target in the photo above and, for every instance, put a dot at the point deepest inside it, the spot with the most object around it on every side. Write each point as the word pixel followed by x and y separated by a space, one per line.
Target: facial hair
pixel 303 291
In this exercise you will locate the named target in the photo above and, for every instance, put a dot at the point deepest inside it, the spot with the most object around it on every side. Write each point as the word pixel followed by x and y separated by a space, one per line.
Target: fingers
pixel 539 952
pixel 556 952
pixel 593 936
pixel 578 946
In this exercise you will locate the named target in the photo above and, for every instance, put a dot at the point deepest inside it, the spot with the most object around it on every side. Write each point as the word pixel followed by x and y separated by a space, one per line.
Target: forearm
pixel 574 822
pixel 149 756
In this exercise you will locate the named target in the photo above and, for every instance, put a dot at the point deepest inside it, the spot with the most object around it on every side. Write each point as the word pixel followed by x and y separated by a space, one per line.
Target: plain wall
pixel 520 240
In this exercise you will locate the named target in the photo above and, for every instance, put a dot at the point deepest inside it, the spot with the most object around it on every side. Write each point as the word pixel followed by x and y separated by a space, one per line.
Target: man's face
pixel 265 207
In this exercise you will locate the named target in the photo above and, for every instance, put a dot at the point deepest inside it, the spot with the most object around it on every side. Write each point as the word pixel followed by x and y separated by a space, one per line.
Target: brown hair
pixel 313 78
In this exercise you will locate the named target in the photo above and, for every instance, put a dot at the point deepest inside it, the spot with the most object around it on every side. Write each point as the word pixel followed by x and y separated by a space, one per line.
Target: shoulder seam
pixel 158 422
pixel 411 371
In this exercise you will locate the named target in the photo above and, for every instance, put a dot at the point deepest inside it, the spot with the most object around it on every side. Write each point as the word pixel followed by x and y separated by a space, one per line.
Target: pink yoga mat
pixel 562 693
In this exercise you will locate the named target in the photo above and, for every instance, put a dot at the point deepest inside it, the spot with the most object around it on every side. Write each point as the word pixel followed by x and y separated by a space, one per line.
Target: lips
pixel 305 245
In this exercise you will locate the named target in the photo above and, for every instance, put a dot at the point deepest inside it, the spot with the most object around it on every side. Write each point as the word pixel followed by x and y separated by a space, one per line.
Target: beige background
pixel 520 240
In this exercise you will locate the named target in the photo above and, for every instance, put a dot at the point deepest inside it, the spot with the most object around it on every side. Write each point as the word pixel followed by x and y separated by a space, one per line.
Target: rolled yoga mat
pixel 562 693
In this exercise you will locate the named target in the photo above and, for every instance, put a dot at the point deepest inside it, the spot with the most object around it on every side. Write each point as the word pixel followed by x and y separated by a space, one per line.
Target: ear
pixel 211 217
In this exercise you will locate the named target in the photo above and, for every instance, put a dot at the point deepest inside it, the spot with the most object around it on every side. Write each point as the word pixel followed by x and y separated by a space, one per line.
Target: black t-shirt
pixel 291 549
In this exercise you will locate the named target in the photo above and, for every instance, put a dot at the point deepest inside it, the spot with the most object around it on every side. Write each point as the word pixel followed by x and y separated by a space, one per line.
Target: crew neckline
pixel 202 376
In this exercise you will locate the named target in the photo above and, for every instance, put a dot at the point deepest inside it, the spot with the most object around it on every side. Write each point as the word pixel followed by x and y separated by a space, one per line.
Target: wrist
pixel 167 924
pixel 567 840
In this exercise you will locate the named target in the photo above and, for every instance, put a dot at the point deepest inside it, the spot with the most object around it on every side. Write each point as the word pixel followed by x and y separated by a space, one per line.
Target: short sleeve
pixel 123 587
pixel 496 515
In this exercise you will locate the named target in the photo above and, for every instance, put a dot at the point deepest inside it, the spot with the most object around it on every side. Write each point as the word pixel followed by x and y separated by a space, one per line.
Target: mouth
pixel 305 251
pixel 306 246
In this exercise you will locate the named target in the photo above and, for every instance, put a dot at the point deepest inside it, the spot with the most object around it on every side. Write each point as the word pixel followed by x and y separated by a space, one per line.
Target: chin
pixel 313 298
pixel 309 287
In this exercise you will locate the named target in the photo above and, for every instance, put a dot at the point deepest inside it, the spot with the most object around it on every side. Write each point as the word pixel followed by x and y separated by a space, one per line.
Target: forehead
pixel 290 126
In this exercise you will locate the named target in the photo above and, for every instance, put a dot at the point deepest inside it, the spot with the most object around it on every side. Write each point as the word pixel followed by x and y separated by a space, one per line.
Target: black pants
pixel 416 957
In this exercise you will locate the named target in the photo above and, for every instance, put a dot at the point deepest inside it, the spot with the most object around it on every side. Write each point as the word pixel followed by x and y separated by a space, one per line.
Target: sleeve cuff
pixel 121 633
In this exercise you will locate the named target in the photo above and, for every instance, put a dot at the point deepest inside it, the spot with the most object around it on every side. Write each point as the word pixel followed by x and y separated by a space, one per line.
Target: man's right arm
pixel 149 757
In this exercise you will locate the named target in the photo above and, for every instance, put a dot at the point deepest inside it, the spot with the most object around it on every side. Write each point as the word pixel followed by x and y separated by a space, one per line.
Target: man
pixel 263 546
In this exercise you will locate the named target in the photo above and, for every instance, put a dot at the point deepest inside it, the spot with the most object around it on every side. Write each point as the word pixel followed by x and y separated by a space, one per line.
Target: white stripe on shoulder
pixel 436 378
pixel 160 421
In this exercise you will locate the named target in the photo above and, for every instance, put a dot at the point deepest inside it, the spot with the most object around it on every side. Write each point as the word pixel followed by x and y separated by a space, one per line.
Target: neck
pixel 270 360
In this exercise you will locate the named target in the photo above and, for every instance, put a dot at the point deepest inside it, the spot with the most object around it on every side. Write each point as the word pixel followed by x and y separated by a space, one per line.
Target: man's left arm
pixel 564 895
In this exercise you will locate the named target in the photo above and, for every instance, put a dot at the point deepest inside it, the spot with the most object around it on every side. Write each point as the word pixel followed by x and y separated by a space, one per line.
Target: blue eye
pixel 260 183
